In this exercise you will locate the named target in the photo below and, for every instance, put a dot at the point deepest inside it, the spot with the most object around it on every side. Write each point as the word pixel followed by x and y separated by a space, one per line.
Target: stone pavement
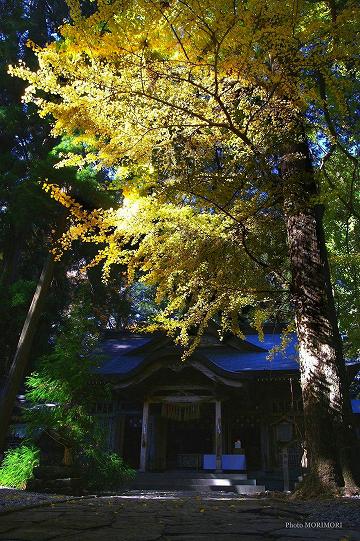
pixel 188 518
pixel 13 498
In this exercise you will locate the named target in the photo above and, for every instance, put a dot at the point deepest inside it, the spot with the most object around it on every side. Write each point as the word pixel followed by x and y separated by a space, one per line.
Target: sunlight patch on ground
pixel 176 495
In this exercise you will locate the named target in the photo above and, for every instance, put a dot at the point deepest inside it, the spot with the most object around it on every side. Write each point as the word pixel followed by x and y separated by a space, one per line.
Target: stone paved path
pixel 180 519
pixel 12 498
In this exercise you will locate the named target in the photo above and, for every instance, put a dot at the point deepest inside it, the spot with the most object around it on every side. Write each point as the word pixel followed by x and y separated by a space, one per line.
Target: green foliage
pixel 341 192
pixel 26 216
pixel 21 292
pixel 61 391
pixel 105 469
pixel 18 465
pixel 143 305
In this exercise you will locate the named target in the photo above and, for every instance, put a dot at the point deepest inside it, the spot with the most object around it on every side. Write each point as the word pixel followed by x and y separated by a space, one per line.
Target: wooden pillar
pixel 144 436
pixel 120 434
pixel 265 450
pixel 285 468
pixel 218 436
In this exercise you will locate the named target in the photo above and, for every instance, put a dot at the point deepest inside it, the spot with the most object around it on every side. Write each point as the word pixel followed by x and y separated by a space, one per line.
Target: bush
pixel 18 466
pixel 105 470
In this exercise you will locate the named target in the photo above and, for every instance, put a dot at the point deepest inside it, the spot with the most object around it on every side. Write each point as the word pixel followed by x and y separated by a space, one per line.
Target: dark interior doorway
pixel 249 435
pixel 132 440
pixel 186 439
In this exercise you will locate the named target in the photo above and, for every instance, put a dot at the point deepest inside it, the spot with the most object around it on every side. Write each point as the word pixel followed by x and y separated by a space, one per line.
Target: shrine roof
pixel 272 340
pixel 133 357
pixel 231 360
pixel 120 354
pixel 355 405
pixel 128 354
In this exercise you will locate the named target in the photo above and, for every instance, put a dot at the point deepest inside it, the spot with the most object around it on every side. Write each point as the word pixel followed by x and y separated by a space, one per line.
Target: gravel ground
pixel 164 517
pixel 12 499
pixel 345 510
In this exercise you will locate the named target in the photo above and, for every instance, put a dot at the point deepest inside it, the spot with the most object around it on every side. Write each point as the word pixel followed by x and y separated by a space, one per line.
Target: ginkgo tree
pixel 219 107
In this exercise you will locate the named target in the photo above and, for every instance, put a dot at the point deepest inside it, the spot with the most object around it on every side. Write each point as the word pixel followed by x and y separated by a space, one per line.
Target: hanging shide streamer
pixel 180 412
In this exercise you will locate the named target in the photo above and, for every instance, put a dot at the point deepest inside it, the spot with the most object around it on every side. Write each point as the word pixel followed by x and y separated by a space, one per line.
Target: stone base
pixel 56 480
pixel 71 486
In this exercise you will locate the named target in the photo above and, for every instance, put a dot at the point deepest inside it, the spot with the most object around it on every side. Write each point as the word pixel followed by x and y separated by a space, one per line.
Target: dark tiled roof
pixel 355 405
pixel 236 362
pixel 125 355
pixel 231 360
pixel 120 354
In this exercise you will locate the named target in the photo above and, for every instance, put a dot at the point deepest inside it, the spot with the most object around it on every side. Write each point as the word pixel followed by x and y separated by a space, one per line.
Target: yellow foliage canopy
pixel 130 77
pixel 193 102
pixel 194 258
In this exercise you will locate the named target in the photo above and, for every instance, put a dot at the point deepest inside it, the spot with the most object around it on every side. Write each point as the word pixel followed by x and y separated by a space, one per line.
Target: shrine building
pixel 233 406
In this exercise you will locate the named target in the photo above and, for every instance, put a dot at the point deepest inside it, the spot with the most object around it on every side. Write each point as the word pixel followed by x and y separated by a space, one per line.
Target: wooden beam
pixel 182 399
pixel 182 387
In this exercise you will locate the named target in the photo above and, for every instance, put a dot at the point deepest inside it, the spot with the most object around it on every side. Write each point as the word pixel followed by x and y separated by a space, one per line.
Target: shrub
pixel 18 466
pixel 105 470
pixel 65 379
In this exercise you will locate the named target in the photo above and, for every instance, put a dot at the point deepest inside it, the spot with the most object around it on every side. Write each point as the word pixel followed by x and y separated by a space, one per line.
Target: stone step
pixel 183 474
pixel 204 483
pixel 200 489
pixel 56 472
pixel 188 482
pixel 249 489
pixel 180 480
pixel 56 486
pixel 240 489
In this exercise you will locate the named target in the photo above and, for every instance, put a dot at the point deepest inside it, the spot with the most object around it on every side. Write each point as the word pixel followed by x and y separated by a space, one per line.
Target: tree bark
pixel 68 459
pixel 17 369
pixel 322 368
pixel 13 252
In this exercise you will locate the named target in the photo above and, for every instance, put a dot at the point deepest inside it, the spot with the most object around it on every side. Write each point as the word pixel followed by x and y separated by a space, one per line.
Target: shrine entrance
pixel 180 425
pixel 189 439
pixel 177 435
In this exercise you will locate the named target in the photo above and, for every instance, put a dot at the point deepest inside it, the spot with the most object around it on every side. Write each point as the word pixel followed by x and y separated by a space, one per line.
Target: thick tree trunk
pixel 68 459
pixel 322 368
pixel 16 373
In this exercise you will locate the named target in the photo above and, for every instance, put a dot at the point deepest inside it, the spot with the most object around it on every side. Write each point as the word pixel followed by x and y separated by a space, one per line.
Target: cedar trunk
pixel 20 361
pixel 17 370
pixel 326 402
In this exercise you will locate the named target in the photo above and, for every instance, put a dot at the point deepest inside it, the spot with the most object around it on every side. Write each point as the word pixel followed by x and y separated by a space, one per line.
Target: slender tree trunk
pixel 10 272
pixel 11 264
pixel 322 368
pixel 17 369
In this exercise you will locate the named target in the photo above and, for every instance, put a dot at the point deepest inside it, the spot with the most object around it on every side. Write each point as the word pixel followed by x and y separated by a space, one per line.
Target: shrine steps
pixel 196 482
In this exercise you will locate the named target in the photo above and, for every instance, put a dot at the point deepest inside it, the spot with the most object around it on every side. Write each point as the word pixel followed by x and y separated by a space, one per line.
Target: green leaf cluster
pixel 18 465
pixel 105 469
pixel 340 181
pixel 62 391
